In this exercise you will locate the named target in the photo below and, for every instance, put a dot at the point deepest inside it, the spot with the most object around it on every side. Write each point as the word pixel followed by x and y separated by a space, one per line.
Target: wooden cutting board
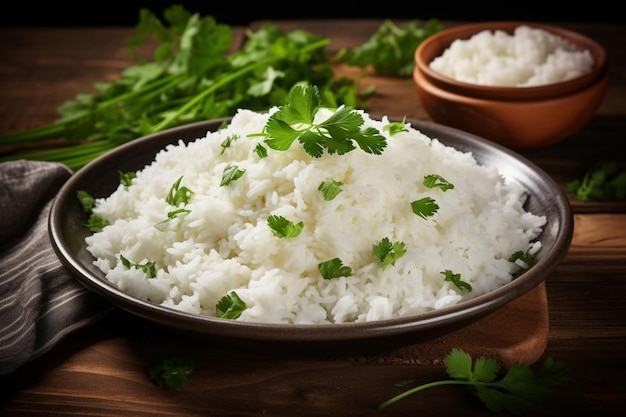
pixel 514 333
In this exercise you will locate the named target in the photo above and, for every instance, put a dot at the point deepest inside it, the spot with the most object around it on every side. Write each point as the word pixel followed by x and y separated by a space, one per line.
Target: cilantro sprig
pixel 450 276
pixel 337 134
pixel 519 391
pixel 388 252
pixel 230 306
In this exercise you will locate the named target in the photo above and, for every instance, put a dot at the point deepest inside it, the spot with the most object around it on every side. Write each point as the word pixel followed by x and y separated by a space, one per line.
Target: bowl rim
pixel 434 46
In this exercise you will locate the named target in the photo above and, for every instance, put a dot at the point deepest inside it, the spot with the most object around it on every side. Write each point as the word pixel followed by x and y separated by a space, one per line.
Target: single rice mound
pixel 528 57
pixel 220 242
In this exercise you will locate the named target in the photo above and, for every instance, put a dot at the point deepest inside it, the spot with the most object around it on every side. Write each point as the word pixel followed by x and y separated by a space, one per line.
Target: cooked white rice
pixel 528 57
pixel 224 243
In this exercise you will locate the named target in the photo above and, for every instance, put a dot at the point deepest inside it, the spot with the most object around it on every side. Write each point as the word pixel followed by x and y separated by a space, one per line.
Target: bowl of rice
pixel 263 227
pixel 522 84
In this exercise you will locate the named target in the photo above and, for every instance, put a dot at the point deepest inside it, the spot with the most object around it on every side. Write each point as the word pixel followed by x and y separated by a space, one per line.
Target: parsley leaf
pixel 230 306
pixel 172 373
pixel 424 207
pixel 520 391
pixel 87 203
pixel 330 189
pixel 283 227
pixel 334 268
pixel 295 121
pixel 388 252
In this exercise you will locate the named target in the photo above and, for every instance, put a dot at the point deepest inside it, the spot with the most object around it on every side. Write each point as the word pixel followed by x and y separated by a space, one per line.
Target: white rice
pixel 528 57
pixel 224 243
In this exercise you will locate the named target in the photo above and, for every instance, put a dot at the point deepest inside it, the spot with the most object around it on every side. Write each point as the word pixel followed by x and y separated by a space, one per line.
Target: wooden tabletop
pixel 102 370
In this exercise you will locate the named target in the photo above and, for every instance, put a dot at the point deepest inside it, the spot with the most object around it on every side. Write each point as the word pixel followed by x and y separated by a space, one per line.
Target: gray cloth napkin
pixel 40 301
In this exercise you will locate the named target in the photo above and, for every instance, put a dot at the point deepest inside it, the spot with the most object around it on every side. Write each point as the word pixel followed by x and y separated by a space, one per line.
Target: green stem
pixel 422 388
pixel 171 120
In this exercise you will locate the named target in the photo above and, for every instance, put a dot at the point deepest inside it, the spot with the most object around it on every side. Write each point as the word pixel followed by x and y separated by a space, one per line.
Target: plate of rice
pixel 305 223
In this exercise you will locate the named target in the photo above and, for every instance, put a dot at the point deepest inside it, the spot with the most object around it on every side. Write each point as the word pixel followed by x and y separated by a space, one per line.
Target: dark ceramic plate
pixel 100 178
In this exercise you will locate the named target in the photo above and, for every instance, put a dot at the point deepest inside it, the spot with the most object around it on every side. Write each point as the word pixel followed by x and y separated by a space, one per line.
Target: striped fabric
pixel 40 302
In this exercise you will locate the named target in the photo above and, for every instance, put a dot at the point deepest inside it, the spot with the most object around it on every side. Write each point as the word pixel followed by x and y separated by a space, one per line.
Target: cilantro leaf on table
pixel 519 391
pixel 602 181
pixel 295 121
pixel 172 373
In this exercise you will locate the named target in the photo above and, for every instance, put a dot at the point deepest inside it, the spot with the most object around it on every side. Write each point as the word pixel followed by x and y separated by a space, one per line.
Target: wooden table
pixel 102 370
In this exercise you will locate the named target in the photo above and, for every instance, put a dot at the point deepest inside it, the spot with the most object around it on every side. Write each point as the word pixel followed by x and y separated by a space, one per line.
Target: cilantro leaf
pixel 330 189
pixel 230 174
pixel 334 268
pixel 424 207
pixel 388 252
pixel 396 127
pixel 282 227
pixel 295 121
pixel 519 391
pixel 456 280
pixel 126 178
pixel 162 225
pixel 172 373
pixel 177 194
pixel 230 306
pixel 435 180
pixel 602 181
pixel 149 267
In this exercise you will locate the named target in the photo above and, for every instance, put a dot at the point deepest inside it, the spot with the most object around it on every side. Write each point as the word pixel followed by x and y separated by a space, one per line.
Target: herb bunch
pixel 191 77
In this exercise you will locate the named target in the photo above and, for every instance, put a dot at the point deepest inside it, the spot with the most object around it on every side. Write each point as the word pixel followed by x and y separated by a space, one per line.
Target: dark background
pixel 126 13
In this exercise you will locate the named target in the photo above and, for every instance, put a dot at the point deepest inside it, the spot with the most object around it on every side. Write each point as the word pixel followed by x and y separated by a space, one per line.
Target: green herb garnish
pixel 330 189
pixel 388 251
pixel 227 142
pixel 230 306
pixel 149 267
pixel 424 207
pixel 456 280
pixel 524 256
pixel 177 194
pixel 435 180
pixel 172 373
pixel 395 127
pixel 295 121
pixel 334 268
pixel 230 174
pixel 126 178
pixel 520 391
pixel 282 227
pixel 87 203
pixel 162 225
